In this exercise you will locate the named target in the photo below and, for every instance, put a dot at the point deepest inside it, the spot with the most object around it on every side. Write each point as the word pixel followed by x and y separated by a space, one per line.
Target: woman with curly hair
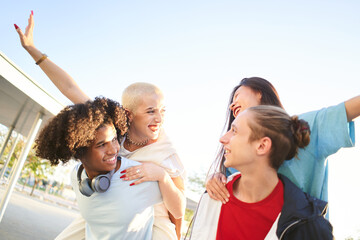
pixel 145 141
pixel 90 132
pixel 262 204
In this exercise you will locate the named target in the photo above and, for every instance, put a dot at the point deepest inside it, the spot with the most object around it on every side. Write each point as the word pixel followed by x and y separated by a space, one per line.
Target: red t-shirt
pixel 241 220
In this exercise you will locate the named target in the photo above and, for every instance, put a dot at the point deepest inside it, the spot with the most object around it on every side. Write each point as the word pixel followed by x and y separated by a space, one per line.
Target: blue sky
pixel 196 52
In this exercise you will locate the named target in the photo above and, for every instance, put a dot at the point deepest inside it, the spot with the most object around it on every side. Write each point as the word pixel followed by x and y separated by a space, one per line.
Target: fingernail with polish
pixel 32 12
pixel 132 184
pixel 123 171
pixel 123 176
pixel 16 26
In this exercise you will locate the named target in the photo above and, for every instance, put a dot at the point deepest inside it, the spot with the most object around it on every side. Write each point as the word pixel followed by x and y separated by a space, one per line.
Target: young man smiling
pixel 262 204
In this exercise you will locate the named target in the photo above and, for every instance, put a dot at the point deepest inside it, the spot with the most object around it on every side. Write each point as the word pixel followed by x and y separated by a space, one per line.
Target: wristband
pixel 44 56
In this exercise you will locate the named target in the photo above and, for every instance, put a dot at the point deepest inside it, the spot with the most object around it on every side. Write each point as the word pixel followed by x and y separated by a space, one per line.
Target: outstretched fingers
pixel 27 38
pixel 30 27
pixel 21 34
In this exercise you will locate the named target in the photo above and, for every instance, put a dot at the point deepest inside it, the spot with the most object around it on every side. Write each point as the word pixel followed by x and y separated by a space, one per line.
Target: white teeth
pixel 110 160
pixel 237 110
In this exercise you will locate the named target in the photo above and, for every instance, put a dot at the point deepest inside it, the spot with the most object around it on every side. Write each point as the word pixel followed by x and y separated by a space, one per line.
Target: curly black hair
pixel 70 133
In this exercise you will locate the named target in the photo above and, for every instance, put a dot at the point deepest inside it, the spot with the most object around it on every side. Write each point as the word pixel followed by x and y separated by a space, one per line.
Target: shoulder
pixel 75 170
pixel 297 202
pixel 293 194
pixel 126 163
pixel 299 207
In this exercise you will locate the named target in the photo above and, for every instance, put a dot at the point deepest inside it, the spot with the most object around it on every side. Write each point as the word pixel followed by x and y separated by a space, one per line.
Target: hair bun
pixel 301 131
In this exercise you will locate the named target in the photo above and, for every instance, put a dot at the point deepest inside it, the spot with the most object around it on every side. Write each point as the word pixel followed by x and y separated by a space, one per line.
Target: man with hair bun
pixel 262 204
pixel 332 128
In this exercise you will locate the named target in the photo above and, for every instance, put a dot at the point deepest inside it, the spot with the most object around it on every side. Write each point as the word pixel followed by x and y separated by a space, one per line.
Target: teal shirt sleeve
pixel 330 131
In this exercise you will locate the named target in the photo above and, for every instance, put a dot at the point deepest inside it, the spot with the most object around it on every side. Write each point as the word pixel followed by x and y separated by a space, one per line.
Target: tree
pixel 38 168
pixel 17 151
pixel 34 166
pixel 196 182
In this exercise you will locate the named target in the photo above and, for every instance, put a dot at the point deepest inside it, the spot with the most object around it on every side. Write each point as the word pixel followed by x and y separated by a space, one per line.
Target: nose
pixel 225 138
pixel 159 117
pixel 113 148
pixel 232 106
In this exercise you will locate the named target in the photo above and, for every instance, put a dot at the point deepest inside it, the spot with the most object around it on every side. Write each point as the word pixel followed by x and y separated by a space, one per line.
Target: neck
pixel 254 187
pixel 131 141
pixel 132 144
pixel 130 147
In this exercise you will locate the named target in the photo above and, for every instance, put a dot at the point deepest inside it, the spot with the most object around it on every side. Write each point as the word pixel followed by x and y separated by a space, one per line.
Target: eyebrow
pixel 99 143
pixel 235 95
pixel 103 141
pixel 154 108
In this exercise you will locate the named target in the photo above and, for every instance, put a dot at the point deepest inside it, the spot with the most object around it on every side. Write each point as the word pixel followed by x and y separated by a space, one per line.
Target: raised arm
pixel 352 107
pixel 63 81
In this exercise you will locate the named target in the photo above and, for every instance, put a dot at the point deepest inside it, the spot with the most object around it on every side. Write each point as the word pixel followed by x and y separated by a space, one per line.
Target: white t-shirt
pixel 123 211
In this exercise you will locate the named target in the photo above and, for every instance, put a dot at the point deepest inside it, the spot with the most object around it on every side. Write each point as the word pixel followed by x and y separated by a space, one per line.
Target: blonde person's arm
pixel 172 190
pixel 63 81
pixel 173 196
pixel 352 107
pixel 179 182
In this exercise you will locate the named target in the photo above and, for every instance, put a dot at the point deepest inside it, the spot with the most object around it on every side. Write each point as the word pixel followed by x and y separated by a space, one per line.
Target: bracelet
pixel 44 56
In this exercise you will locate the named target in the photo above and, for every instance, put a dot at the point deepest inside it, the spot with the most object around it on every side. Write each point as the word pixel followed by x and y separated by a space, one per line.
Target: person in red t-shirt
pixel 263 204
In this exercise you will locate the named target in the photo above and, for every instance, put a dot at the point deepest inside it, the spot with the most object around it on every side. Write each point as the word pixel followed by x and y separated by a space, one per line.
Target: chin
pixel 154 136
pixel 226 164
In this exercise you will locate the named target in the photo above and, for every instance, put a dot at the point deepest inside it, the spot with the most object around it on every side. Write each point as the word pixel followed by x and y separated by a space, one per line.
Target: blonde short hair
pixel 132 95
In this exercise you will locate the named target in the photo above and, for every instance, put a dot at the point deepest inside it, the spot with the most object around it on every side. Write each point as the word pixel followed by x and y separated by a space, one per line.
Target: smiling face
pixel 239 151
pixel 101 156
pixel 244 98
pixel 146 121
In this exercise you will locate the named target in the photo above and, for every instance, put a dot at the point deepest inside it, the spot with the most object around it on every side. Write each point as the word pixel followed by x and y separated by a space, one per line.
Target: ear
pixel 258 97
pixel 264 146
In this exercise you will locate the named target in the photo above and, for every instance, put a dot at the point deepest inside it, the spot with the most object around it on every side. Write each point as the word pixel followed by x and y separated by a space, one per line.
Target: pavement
pixel 29 217
pixel 41 216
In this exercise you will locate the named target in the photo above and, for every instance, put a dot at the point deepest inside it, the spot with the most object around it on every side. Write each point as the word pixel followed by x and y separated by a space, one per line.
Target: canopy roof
pixel 21 98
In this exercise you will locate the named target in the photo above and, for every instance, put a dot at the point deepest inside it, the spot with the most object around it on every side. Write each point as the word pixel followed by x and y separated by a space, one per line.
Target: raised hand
pixel 26 39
